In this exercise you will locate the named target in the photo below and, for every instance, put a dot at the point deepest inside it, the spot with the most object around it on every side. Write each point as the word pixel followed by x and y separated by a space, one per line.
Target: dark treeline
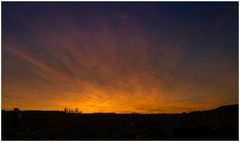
pixel 217 124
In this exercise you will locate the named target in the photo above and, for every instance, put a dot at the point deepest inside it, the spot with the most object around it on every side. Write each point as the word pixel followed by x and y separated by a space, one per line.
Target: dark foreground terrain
pixel 217 124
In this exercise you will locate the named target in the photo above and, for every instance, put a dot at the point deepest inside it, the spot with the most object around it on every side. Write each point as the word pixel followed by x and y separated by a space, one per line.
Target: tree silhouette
pixel 71 110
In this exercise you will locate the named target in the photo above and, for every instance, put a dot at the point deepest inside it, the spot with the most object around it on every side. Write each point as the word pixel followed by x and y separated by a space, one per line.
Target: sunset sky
pixel 159 57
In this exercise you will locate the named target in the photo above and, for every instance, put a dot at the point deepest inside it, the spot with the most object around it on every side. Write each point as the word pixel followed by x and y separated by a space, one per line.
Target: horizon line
pixel 123 112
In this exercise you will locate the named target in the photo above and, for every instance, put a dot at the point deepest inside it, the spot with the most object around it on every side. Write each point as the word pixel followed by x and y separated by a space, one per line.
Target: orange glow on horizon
pixel 104 60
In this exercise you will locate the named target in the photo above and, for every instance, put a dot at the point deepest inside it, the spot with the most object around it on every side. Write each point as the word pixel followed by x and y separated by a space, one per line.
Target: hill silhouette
pixel 217 124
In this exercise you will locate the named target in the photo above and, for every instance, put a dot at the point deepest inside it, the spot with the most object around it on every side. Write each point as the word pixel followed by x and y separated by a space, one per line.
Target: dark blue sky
pixel 161 56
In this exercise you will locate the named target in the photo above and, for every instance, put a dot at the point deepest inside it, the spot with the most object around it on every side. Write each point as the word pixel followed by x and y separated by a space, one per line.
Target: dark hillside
pixel 217 124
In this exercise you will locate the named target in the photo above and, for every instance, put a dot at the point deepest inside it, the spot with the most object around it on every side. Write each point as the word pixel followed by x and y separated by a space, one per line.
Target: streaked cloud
pixel 108 58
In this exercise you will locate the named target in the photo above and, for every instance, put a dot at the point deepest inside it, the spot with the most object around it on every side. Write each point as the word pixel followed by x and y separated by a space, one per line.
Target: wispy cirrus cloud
pixel 105 60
